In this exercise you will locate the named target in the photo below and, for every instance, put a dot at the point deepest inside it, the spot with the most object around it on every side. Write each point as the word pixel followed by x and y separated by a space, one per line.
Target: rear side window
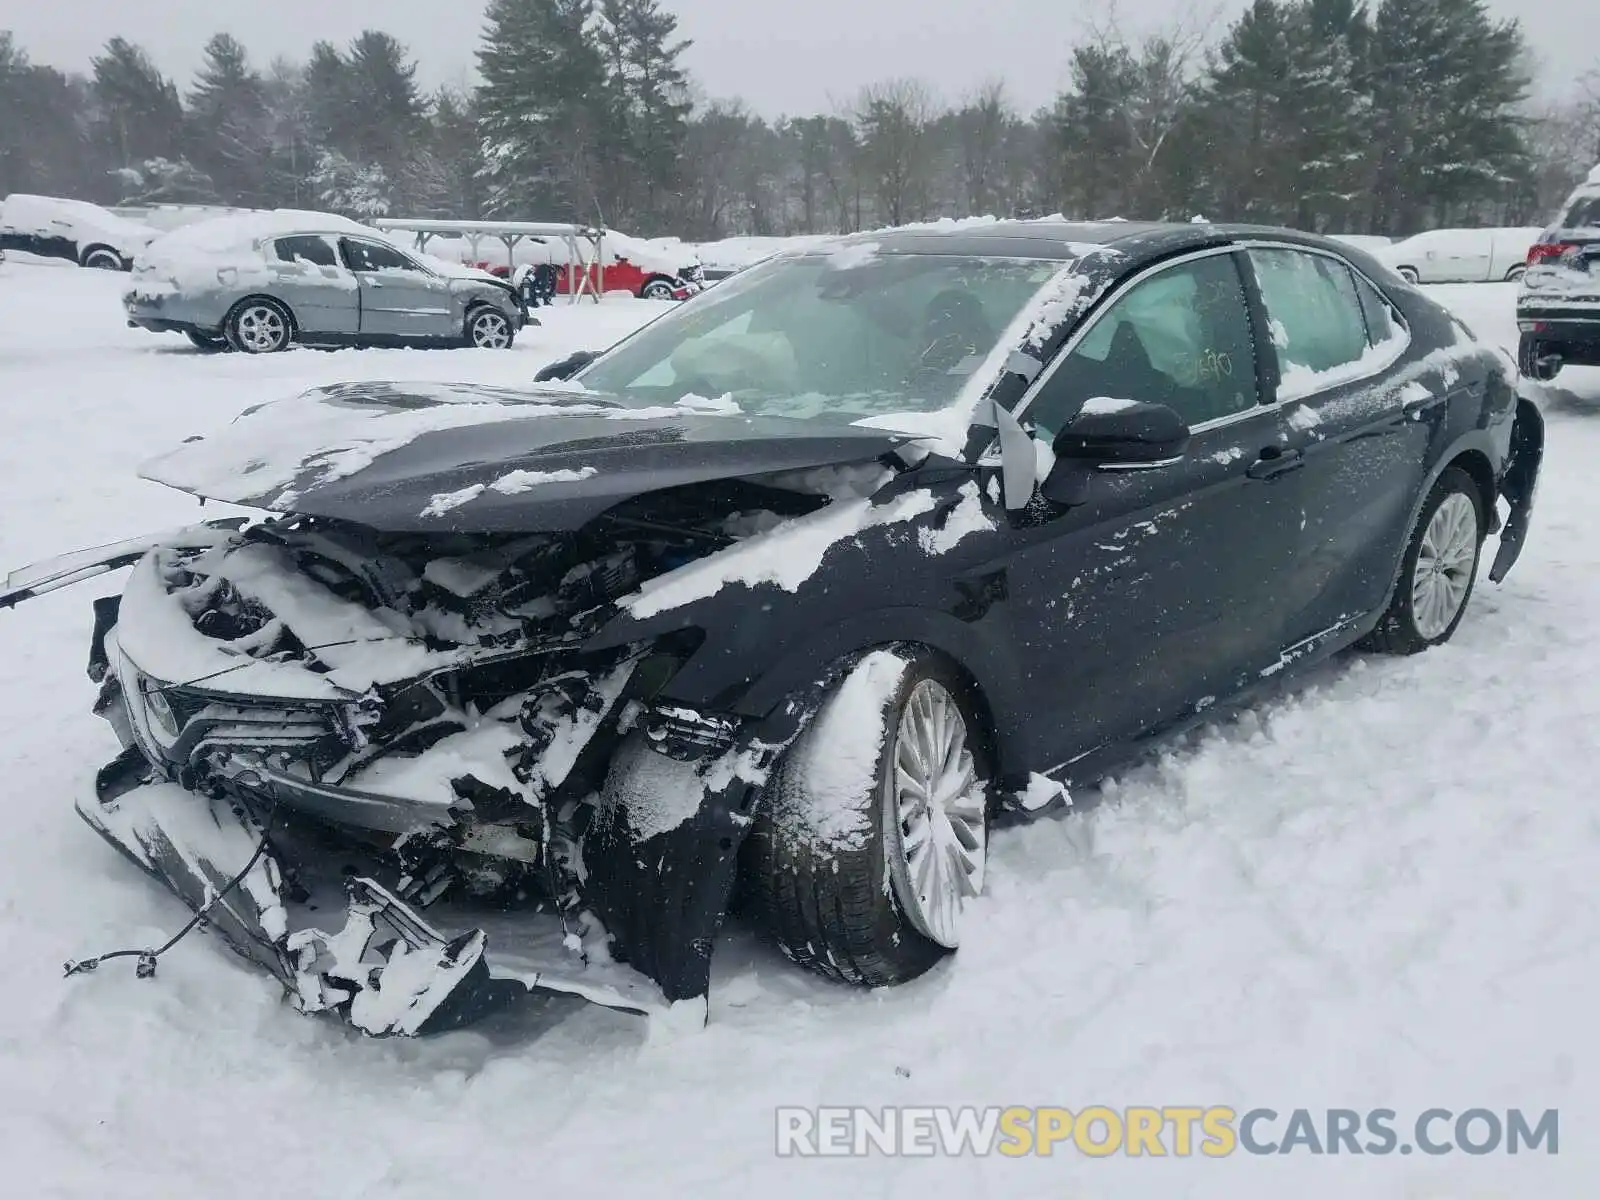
pixel 1181 337
pixel 1382 325
pixel 1582 213
pixel 308 249
pixel 1315 317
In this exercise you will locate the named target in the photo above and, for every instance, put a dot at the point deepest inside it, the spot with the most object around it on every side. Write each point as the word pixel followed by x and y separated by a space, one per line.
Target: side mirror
pixel 1110 434
pixel 1123 432
pixel 567 367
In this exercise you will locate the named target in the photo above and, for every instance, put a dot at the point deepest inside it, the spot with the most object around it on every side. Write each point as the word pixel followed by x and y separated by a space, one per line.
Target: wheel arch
pixel 86 252
pixel 973 657
pixel 654 277
pixel 1476 463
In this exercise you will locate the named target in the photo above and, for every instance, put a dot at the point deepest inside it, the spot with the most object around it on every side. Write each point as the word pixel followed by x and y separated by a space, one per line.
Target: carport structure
pixel 586 271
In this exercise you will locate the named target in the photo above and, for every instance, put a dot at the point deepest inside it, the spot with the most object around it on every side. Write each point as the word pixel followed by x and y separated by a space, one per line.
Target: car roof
pixel 1053 238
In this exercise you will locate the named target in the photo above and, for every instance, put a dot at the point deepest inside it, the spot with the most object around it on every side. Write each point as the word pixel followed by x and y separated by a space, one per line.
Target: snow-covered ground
pixel 1377 890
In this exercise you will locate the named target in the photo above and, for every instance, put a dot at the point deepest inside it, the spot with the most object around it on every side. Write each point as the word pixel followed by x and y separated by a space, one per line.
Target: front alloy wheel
pixel 488 329
pixel 873 832
pixel 934 814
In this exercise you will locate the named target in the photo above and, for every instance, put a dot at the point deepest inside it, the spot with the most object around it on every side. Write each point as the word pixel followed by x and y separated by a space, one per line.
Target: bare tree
pixel 982 125
pixel 892 120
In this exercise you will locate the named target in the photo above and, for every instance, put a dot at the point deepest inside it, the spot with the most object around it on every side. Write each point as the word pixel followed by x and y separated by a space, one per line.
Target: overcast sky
pixel 781 58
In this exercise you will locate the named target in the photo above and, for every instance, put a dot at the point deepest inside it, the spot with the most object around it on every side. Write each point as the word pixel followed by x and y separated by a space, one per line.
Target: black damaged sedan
pixel 787 596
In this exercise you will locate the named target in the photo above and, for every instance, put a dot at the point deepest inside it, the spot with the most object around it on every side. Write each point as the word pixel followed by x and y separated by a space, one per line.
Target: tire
pixel 827 870
pixel 103 258
pixel 656 289
pixel 489 329
pixel 1409 274
pixel 206 341
pixel 1533 363
pixel 1446 543
pixel 1516 272
pixel 259 325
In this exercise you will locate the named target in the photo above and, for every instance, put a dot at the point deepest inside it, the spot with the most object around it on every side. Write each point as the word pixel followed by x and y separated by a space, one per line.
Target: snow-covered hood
pixel 442 457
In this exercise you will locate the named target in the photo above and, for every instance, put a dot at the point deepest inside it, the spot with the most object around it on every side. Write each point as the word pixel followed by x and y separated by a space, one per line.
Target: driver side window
pixel 1181 337
pixel 373 256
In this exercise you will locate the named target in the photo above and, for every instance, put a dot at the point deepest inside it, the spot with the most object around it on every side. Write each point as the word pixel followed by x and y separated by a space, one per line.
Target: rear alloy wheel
pixel 259 327
pixel 1409 274
pixel 1515 274
pixel 656 289
pixel 874 834
pixel 101 259
pixel 488 329
pixel 1438 570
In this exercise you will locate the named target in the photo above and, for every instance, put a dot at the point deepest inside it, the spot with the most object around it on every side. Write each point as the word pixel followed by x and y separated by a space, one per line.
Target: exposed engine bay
pixel 426 706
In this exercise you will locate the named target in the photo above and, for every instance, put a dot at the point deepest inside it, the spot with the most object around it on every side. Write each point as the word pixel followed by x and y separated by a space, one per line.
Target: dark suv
pixel 1558 308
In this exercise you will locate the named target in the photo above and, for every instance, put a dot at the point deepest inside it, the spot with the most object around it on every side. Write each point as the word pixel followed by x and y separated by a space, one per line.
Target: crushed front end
pixel 407 733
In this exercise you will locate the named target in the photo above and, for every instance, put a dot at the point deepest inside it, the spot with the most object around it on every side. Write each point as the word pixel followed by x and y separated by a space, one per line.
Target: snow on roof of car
pixel 235 231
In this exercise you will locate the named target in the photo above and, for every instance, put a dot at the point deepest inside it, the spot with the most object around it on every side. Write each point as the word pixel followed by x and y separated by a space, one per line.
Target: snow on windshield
pixel 854 333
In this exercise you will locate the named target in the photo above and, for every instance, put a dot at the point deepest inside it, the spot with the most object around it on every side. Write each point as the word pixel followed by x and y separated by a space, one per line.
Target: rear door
pixel 1363 436
pixel 1162 587
pixel 399 297
pixel 314 284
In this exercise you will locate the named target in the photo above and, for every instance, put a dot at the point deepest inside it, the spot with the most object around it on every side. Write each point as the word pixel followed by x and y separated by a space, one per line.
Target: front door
pixel 399 297
pixel 1162 587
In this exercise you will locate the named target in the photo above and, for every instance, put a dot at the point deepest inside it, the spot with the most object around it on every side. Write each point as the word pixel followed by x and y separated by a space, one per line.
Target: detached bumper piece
pixel 1520 485
pixel 385 971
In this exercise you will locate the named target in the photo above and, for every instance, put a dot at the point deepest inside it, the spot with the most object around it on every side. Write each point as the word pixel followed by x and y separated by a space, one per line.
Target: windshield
pixel 848 334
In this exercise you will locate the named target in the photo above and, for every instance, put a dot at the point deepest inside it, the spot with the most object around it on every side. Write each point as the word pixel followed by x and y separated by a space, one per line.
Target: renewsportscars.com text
pixel 1099 1131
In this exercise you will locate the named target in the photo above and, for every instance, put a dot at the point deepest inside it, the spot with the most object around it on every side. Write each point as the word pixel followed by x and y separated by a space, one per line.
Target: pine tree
pixel 140 116
pixel 230 123
pixel 542 109
pixel 646 107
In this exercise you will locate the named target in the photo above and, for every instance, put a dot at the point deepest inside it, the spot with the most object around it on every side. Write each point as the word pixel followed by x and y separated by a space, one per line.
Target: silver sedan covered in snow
pixel 258 282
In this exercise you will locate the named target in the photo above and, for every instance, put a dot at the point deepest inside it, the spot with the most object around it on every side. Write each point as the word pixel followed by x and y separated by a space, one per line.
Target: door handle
pixel 1274 462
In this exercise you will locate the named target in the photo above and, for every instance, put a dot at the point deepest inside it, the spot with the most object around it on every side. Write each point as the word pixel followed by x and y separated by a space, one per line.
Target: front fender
pixel 969 645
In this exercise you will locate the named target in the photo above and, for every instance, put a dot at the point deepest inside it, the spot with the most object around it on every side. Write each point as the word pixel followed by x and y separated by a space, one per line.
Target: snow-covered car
pixel 1370 242
pixel 1558 305
pixel 75 230
pixel 646 269
pixel 799 586
pixel 1460 255
pixel 259 282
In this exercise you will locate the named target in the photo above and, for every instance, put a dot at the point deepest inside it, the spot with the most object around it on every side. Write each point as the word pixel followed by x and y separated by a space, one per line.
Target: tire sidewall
pixel 656 289
pixel 1401 614
pixel 102 259
pixel 1409 274
pixel 231 326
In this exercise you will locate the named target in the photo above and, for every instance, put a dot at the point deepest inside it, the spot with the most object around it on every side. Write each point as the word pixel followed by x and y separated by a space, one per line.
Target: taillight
pixel 1543 250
